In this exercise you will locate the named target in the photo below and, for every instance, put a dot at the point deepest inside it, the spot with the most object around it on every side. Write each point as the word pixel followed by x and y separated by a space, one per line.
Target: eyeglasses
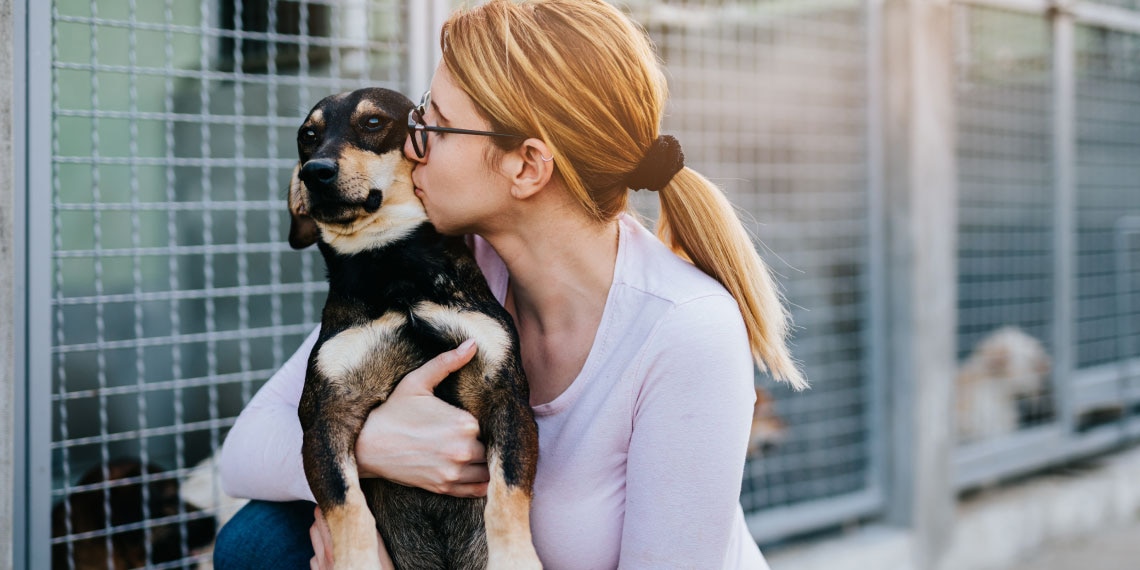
pixel 418 129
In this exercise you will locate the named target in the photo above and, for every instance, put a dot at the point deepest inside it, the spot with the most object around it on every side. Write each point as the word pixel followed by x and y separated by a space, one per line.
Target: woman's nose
pixel 410 151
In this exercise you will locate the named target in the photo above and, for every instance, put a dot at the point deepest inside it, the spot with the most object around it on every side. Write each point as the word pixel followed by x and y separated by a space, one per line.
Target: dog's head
pixel 352 185
pixel 1013 357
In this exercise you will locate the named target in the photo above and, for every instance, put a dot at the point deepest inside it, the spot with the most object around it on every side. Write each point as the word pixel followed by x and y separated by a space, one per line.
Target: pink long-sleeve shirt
pixel 641 458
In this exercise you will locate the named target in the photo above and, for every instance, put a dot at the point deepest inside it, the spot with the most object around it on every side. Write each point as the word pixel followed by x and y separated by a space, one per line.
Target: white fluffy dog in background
pixel 1006 368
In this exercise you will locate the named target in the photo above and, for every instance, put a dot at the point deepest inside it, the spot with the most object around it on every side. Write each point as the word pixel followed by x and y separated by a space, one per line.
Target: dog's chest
pixel 399 341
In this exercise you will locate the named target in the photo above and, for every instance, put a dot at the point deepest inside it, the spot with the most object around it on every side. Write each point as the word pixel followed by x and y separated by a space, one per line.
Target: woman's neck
pixel 560 277
pixel 559 269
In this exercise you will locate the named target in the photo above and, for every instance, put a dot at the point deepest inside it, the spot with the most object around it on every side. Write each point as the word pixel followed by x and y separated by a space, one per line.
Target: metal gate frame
pixel 1035 448
pixel 34 433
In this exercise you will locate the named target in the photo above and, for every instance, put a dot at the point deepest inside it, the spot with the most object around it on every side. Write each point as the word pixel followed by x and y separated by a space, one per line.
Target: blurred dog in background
pixel 1001 385
pixel 768 430
pixel 123 508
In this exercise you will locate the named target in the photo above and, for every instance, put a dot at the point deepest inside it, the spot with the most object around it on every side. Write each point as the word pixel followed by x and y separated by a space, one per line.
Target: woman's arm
pixel 690 433
pixel 261 456
pixel 415 439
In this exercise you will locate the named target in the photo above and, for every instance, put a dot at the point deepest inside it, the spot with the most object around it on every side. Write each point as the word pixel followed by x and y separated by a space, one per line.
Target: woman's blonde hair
pixel 585 79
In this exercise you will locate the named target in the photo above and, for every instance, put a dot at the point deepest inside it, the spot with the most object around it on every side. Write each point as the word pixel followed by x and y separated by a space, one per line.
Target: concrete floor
pixel 1115 549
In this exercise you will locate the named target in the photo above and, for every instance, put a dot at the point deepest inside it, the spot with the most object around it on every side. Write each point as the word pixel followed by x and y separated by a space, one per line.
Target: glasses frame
pixel 418 129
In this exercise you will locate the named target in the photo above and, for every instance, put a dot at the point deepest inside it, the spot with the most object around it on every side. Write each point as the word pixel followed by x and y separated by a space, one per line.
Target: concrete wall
pixel 8 192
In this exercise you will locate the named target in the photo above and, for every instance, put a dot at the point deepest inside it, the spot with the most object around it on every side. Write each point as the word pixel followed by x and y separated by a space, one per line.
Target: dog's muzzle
pixel 320 178
pixel 319 175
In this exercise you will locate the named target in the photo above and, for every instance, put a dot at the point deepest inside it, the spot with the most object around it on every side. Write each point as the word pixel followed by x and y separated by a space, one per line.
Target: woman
pixel 639 354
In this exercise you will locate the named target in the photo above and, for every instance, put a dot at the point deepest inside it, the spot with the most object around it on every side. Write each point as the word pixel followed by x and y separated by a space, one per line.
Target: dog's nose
pixel 319 172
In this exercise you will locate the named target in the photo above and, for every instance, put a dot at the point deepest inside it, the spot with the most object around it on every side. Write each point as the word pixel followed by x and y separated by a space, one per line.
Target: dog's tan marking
pixel 490 338
pixel 348 350
pixel 352 526
pixel 298 198
pixel 317 118
pixel 507 519
pixel 400 211
pixel 368 107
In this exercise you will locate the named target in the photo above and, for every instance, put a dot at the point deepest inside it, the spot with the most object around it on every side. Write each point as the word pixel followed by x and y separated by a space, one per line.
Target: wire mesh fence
pixel 770 101
pixel 175 295
pixel 1108 205
pixel 1006 247
pixel 1014 240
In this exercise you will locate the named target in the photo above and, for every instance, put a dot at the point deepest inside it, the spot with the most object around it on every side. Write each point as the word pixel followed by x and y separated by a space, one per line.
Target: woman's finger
pixel 472 473
pixel 424 379
pixel 466 490
pixel 321 537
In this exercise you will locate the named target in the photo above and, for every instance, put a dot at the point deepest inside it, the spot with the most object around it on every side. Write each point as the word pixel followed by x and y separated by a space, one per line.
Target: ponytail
pixel 699 224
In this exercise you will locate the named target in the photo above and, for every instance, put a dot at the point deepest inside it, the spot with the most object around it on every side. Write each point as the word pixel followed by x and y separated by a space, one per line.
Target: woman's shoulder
pixel 648 265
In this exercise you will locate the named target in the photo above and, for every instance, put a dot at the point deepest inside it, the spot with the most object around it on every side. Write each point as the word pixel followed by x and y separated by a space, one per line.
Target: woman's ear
pixel 529 168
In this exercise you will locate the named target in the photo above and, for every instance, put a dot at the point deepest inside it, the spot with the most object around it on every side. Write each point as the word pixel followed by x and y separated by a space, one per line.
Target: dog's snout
pixel 319 172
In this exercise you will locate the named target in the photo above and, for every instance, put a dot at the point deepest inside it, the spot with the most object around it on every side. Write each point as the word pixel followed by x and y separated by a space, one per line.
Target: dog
pixel 399 294
pixel 87 511
pixel 1003 382
pixel 768 430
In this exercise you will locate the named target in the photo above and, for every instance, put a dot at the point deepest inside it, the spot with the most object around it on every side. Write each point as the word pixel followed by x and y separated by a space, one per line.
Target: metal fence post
pixel 419 76
pixel 1064 209
pixel 35 431
pixel 921 189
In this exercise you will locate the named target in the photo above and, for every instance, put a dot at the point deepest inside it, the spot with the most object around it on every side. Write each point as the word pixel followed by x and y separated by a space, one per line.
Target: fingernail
pixel 466 346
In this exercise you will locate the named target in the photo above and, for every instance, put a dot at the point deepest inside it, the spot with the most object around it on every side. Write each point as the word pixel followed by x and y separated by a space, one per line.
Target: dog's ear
pixel 303 230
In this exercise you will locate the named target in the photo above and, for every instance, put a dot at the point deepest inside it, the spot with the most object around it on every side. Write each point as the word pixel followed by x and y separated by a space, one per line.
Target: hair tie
pixel 661 163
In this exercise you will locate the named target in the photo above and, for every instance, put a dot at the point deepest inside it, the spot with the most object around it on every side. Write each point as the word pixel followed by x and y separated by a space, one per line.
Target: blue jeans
pixel 265 534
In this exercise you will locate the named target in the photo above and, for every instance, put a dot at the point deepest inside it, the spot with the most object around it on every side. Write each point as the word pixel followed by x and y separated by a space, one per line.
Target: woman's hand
pixel 321 536
pixel 418 440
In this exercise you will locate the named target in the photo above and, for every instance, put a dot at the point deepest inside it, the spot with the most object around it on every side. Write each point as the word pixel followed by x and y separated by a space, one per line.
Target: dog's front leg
pixel 331 426
pixel 512 448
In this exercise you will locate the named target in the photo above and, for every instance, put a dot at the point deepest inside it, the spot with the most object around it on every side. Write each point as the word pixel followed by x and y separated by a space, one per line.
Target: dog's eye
pixel 307 136
pixel 372 124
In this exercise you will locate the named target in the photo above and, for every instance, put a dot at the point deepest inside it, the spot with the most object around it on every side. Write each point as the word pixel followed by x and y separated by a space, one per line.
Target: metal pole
pixel 441 9
pixel 36 434
pixel 921 221
pixel 418 62
pixel 876 330
pixel 1127 228
pixel 1064 211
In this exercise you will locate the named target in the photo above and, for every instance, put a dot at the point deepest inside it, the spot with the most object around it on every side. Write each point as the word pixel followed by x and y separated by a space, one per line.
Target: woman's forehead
pixel 448 98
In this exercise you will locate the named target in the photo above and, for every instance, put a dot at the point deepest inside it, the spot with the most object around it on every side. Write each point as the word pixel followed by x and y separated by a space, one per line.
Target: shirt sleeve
pixel 261 456
pixel 691 418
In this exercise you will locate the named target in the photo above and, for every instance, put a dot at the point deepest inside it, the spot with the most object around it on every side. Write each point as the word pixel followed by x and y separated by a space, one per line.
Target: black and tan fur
pixel 399 294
